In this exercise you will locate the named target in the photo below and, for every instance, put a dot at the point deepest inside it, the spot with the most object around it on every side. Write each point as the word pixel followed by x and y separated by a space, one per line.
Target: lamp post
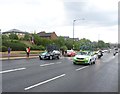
pixel 73 29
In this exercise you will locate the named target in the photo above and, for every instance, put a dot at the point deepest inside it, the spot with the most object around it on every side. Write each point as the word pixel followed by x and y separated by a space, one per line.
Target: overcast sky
pixel 101 17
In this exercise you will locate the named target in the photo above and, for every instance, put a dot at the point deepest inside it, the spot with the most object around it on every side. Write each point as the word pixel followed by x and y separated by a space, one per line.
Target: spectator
pixel 9 50
pixel 28 51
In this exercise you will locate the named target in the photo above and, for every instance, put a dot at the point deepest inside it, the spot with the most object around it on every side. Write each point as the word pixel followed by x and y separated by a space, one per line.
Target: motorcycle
pixel 115 53
pixel 100 54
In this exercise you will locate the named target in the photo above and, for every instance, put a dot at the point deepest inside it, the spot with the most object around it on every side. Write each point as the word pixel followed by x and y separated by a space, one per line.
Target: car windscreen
pixel 69 51
pixel 82 53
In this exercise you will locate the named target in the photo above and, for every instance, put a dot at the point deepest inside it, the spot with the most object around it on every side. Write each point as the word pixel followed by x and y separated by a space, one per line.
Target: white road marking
pixel 58 62
pixel 6 71
pixel 46 64
pixel 81 68
pixel 45 82
pixel 50 64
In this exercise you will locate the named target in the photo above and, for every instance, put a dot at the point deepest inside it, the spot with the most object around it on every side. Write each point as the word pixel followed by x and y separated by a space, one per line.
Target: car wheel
pixel 50 57
pixel 94 62
pixel 90 63
pixel 58 57
pixel 40 58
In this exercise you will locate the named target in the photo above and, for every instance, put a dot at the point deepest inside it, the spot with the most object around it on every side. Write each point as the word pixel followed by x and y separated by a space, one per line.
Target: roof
pixel 64 36
pixel 44 34
pixel 15 31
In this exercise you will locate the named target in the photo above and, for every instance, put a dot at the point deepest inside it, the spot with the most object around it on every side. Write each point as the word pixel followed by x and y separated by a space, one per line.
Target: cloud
pixel 58 16
pixel 94 12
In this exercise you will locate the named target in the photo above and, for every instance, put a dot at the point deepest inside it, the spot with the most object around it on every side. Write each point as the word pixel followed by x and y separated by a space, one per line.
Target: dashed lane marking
pixel 46 64
pixel 30 87
pixel 81 68
pixel 43 65
pixel 12 70
pixel 58 62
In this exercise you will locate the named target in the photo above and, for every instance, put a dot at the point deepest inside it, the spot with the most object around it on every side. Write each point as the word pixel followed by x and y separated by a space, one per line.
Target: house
pixel 65 37
pixel 51 35
pixel 75 39
pixel 19 33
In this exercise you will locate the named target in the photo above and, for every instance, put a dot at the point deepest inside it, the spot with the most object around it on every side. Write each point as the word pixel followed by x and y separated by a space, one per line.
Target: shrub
pixel 35 47
pixel 41 47
pixel 13 36
pixel 3 48
pixel 64 48
pixel 14 45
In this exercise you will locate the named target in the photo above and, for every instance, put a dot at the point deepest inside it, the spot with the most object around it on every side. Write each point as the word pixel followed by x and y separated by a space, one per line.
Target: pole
pixel 73 32
pixel 73 29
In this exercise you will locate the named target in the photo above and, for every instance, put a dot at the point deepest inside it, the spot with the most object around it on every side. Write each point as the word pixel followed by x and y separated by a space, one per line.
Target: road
pixel 34 75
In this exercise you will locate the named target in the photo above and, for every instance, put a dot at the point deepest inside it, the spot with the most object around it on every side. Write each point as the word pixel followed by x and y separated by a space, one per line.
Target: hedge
pixel 35 47
pixel 14 45
pixel 3 48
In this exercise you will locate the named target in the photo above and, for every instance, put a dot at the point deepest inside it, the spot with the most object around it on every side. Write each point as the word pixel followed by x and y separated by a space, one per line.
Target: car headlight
pixel 87 58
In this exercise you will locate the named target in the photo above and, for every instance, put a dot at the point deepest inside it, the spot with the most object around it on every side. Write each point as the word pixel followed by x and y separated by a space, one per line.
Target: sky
pixel 101 17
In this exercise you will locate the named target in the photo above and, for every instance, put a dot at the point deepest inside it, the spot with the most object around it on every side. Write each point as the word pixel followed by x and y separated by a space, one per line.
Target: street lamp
pixel 73 29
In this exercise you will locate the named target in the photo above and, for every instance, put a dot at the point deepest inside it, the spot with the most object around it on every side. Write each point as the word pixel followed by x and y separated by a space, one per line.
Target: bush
pixel 64 48
pixel 14 45
pixel 41 47
pixel 13 36
pixel 3 48
pixel 35 47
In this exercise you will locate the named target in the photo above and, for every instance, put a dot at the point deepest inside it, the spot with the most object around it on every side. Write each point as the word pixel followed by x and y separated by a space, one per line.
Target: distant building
pixel 51 35
pixel 19 33
pixel 65 37
pixel 75 39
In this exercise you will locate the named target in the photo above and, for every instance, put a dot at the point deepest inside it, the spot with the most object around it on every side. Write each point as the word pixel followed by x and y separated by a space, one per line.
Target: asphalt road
pixel 34 75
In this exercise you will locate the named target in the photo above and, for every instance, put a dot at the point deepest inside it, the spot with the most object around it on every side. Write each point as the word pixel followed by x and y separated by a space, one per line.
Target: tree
pixel 107 45
pixel 69 44
pixel 26 37
pixel 59 42
pixel 13 36
pixel 101 44
pixel 63 48
pixel 85 44
pixel 5 37
pixel 37 39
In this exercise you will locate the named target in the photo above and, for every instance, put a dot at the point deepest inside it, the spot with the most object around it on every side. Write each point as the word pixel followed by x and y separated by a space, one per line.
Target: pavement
pixel 17 56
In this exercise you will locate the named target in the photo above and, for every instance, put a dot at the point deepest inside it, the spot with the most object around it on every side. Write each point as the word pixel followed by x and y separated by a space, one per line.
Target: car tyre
pixel 94 62
pixel 50 57
pixel 58 57
pixel 40 58
pixel 90 63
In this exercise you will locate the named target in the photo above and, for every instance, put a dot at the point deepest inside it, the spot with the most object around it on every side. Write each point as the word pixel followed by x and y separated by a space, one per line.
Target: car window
pixel 82 53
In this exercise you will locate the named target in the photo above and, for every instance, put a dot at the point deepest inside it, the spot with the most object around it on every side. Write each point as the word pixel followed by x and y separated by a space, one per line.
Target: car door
pixel 92 57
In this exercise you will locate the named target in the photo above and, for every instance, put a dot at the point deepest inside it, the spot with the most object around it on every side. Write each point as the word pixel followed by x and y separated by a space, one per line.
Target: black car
pixel 55 54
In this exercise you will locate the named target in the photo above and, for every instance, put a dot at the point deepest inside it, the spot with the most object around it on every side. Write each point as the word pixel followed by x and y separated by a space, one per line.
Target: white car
pixel 84 57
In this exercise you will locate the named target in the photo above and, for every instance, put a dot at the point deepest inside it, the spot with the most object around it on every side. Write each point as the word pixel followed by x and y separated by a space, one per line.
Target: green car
pixel 84 57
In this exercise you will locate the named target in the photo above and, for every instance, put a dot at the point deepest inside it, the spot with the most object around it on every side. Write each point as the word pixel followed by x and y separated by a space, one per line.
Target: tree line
pixel 19 44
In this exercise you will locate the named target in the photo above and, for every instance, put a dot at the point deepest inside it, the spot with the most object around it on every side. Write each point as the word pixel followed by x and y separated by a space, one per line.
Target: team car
pixel 84 57
pixel 71 53
pixel 50 55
